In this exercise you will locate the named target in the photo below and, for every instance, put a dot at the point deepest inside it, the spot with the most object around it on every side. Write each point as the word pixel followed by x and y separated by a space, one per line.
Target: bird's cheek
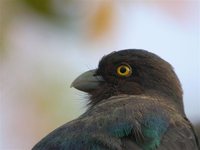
pixel 131 88
pixel 110 79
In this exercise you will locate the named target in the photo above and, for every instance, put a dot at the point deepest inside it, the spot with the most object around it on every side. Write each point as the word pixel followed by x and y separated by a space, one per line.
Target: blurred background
pixel 45 45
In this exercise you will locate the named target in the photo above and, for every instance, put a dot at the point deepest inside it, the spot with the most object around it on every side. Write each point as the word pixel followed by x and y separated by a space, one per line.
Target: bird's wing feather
pixel 105 126
pixel 179 138
pixel 75 136
pixel 99 127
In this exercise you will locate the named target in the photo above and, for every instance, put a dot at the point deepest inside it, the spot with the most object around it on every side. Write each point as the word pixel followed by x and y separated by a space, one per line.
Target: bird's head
pixel 132 72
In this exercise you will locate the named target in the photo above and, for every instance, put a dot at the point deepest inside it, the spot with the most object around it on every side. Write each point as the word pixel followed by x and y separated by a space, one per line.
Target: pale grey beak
pixel 87 81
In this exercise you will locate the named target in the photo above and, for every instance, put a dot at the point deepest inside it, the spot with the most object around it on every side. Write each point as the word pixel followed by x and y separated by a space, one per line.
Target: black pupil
pixel 122 69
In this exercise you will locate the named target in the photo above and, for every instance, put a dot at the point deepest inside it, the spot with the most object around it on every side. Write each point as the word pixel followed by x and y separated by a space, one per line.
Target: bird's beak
pixel 87 81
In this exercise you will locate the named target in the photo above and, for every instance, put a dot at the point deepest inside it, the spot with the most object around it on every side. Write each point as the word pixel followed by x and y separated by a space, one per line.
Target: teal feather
pixel 121 129
pixel 153 128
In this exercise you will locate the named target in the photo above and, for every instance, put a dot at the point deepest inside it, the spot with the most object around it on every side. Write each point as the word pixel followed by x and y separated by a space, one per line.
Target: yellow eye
pixel 124 70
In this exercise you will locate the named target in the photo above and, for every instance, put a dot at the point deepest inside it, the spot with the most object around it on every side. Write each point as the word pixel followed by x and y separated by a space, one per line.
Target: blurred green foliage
pixel 43 7
pixel 12 9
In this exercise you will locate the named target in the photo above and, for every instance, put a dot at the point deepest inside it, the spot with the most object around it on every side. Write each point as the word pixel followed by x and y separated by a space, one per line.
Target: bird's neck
pixel 170 99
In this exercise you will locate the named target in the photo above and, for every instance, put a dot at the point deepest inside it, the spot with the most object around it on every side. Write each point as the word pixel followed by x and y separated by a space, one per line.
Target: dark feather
pixel 104 128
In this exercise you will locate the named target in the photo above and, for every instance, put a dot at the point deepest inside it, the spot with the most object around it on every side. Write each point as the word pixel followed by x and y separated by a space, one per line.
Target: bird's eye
pixel 124 70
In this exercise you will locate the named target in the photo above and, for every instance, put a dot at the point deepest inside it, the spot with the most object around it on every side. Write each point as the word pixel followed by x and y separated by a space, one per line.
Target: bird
pixel 135 102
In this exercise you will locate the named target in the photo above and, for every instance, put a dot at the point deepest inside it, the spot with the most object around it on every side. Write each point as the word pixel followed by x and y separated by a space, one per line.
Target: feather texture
pixel 103 128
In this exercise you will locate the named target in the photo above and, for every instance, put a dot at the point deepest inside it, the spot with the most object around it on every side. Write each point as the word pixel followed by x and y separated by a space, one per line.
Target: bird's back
pixel 124 122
